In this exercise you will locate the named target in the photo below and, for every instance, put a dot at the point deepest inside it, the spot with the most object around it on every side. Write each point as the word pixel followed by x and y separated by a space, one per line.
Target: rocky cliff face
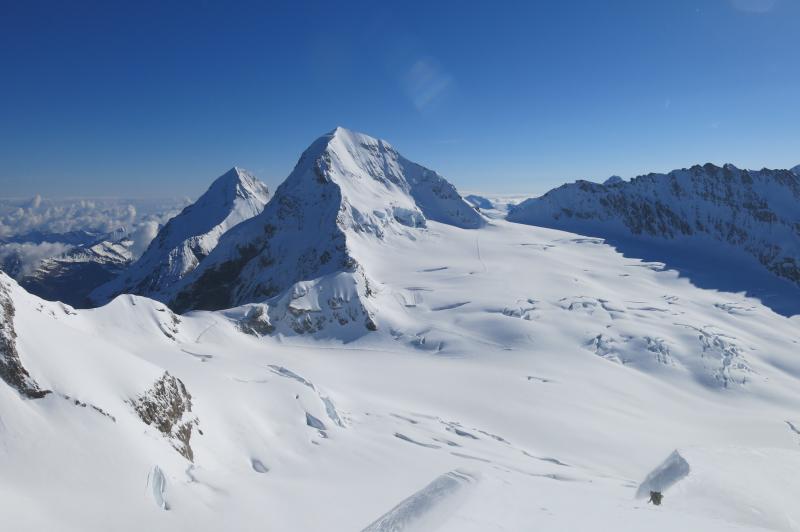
pixel 755 211
pixel 308 251
pixel 183 243
pixel 11 369
pixel 167 406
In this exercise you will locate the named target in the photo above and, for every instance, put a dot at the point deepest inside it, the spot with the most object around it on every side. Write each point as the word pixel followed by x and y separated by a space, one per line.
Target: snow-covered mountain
pixel 752 211
pixel 309 251
pixel 71 276
pixel 189 237
pixel 378 356
pixel 74 238
pixel 796 169
pixel 479 202
pixel 513 364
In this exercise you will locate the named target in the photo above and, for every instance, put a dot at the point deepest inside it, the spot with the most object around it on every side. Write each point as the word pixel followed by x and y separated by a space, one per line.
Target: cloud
pixel 754 6
pixel 143 235
pixel 20 260
pixel 39 228
pixel 426 83
pixel 18 217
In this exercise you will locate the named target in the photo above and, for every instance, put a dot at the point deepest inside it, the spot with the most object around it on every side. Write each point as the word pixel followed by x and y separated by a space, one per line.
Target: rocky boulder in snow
pixel 167 406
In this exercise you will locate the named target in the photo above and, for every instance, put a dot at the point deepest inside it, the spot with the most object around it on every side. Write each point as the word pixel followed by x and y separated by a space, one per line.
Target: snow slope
pixel 189 237
pixel 308 253
pixel 521 378
pixel 744 210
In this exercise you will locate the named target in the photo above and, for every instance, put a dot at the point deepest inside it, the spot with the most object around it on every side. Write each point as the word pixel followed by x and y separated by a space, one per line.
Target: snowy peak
pixel 233 197
pixel 236 183
pixel 190 236
pixel 796 170
pixel 307 255
pixel 379 185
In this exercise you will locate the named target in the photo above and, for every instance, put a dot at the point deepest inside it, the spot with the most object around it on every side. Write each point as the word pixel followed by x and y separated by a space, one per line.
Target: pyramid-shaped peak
pixel 371 175
pixel 235 183
pixel 351 135
pixel 342 139
pixel 237 176
pixel 190 236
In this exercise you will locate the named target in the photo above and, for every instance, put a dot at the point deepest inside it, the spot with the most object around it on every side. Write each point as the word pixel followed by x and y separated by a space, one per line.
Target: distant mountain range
pixel 71 276
pixel 754 211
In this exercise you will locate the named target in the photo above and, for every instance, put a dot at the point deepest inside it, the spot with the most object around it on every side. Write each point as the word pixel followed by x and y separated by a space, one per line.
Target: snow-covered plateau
pixel 368 352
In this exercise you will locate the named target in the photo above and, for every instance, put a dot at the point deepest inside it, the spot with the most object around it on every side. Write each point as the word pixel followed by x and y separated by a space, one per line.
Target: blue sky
pixel 154 99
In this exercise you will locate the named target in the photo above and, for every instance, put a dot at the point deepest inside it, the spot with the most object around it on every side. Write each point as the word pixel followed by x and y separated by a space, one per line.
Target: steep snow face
pixel 347 196
pixel 755 211
pixel 796 170
pixel 70 277
pixel 189 237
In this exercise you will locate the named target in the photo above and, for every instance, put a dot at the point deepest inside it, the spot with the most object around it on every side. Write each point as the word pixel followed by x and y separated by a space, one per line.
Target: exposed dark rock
pixel 11 369
pixel 167 406
pixel 256 322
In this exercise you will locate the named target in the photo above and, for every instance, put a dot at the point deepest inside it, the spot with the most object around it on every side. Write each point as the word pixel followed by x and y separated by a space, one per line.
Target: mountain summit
pixel 189 237
pixel 347 194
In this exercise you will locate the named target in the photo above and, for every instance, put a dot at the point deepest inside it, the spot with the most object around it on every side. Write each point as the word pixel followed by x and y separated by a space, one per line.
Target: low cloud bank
pixel 35 229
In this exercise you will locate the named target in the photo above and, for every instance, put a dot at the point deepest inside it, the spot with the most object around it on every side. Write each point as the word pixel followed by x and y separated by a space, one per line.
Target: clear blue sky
pixel 151 99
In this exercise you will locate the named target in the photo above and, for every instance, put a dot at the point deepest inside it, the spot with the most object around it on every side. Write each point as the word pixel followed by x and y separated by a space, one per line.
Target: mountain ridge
pixel 186 239
pixel 753 211
pixel 347 194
